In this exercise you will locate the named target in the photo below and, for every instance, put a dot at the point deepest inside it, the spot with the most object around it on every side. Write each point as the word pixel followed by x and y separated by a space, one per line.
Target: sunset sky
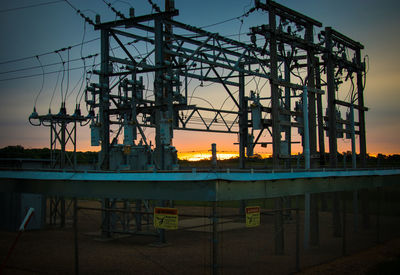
pixel 34 30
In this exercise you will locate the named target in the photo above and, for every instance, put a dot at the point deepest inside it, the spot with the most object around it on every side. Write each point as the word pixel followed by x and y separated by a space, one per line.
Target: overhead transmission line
pixel 41 88
pixel 78 11
pixel 47 53
pixel 39 74
pixel 118 13
pixel 31 6
pixel 240 17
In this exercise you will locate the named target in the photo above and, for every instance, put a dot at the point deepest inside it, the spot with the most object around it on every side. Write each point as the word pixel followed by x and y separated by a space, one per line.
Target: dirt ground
pixel 241 250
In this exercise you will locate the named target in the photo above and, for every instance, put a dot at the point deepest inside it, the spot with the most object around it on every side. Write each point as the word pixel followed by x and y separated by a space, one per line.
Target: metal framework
pixel 307 68
pixel 178 53
pixel 62 133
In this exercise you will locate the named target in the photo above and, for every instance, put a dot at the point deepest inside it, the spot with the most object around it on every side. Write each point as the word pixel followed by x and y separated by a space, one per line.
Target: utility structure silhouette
pixel 177 53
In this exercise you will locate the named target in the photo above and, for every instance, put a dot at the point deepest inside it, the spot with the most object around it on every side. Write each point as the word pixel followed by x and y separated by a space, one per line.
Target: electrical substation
pixel 290 83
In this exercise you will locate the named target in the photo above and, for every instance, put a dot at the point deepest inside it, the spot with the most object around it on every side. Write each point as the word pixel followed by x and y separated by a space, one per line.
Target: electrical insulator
pixel 256 116
pixel 94 134
pixel 130 133
pixel 299 118
pixel 339 125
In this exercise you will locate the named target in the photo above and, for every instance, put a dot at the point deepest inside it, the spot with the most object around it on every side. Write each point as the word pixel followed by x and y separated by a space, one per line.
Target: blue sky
pixel 36 30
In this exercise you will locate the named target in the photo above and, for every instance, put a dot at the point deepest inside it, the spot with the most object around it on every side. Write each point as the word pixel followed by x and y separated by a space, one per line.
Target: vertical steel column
pixel 361 111
pixel 104 101
pixel 363 144
pixel 163 100
pixel 243 119
pixel 214 156
pixel 312 131
pixel 52 162
pixel 288 132
pixel 74 141
pixel 330 72
pixel 353 139
pixel 162 116
pixel 159 91
pixel 104 159
pixel 63 141
pixel 320 116
pixel 309 36
pixel 306 136
pixel 276 134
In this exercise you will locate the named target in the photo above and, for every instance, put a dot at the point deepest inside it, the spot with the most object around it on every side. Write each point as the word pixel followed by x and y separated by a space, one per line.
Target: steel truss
pixel 177 53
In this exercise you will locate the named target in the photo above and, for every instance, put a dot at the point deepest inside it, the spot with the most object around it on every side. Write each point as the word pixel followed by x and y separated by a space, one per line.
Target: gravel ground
pixel 241 250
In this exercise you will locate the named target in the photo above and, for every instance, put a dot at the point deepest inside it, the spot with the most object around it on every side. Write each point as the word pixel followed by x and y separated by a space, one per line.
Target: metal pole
pixel 276 134
pixel 320 116
pixel 330 71
pixel 288 132
pixel 306 147
pixel 243 123
pixel 63 141
pixel 214 155
pixel 74 141
pixel 104 161
pixel 312 133
pixel 353 139
pixel 361 112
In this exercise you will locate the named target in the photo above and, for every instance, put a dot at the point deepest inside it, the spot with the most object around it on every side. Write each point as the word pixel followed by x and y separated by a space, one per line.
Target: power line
pixel 34 75
pixel 246 14
pixel 47 53
pixel 118 13
pixel 47 65
pixel 31 6
pixel 87 19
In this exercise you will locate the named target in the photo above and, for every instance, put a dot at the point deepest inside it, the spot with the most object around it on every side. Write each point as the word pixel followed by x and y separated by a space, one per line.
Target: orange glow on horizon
pixel 204 155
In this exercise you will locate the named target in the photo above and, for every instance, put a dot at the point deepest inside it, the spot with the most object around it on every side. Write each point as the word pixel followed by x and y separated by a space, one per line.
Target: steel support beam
pixel 276 135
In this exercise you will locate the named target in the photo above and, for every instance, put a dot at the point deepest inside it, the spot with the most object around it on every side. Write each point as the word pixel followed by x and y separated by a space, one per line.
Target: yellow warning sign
pixel 165 218
pixel 252 216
